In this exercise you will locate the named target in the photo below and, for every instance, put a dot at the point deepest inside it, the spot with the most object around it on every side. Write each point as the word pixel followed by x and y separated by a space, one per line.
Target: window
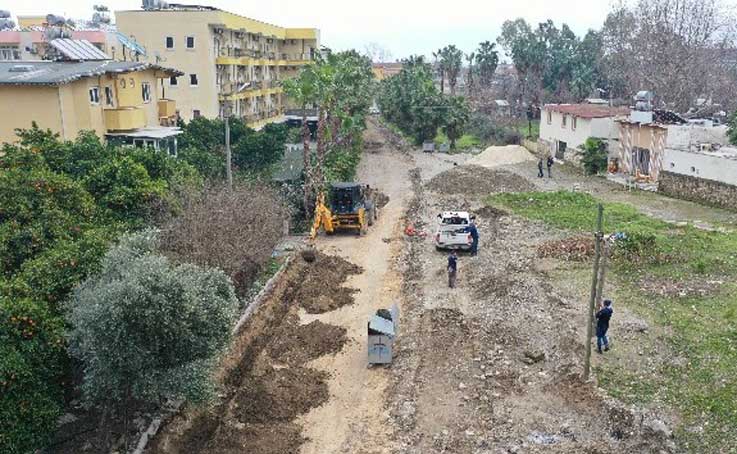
pixel 563 122
pixel 195 113
pixel 574 123
pixel 193 80
pixel 190 42
pixel 109 100
pixel 95 95
pixel 550 117
pixel 173 81
pixel 170 42
pixel 9 53
pixel 146 92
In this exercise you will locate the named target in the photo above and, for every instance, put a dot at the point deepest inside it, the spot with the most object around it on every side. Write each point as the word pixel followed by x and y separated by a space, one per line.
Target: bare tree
pixel 680 49
pixel 377 53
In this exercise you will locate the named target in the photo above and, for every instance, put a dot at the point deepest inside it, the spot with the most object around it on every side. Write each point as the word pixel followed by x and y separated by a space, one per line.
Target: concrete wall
pixel 553 132
pixel 21 105
pixel 698 190
pixel 689 136
pixel 67 109
pixel 150 29
pixel 700 165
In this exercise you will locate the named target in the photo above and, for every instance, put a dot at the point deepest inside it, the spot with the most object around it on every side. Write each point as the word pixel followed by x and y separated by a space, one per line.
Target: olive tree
pixel 146 329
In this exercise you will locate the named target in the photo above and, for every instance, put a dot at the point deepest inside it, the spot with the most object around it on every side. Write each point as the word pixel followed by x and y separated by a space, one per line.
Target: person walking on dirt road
pixel 474 237
pixel 452 269
pixel 602 325
pixel 540 173
pixel 550 166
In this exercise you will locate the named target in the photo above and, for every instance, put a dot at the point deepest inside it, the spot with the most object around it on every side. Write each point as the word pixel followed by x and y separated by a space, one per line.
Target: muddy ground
pixel 494 365
pixel 266 377
pixel 490 367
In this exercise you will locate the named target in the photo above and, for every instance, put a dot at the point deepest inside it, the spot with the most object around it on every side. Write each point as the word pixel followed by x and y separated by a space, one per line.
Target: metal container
pixel 382 333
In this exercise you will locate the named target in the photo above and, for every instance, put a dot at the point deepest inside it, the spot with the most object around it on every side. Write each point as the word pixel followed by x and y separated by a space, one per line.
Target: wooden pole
pixel 228 155
pixel 594 288
pixel 602 273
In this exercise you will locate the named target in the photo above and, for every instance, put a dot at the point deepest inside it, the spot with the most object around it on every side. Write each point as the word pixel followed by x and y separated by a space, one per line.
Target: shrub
pixel 124 189
pixel 145 329
pixel 31 366
pixel 234 230
pixel 594 156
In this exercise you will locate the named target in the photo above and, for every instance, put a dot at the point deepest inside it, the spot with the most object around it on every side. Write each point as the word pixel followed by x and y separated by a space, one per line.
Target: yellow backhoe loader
pixel 351 206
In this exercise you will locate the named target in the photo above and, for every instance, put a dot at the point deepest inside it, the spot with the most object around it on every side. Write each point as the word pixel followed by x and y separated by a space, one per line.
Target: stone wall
pixel 701 190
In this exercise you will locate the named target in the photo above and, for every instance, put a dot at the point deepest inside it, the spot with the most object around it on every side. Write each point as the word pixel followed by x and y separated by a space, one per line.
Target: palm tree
pixel 440 67
pixel 470 58
pixel 452 61
pixel 487 59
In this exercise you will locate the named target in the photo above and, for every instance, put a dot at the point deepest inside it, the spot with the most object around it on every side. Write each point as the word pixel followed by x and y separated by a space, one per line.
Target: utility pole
pixel 594 290
pixel 228 155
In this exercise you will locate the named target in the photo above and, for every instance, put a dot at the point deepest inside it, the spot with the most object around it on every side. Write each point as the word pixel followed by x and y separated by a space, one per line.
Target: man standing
pixel 540 168
pixel 550 166
pixel 602 325
pixel 474 236
pixel 452 269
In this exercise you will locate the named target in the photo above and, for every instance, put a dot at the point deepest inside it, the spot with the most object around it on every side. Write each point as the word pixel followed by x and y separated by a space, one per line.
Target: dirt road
pixel 355 420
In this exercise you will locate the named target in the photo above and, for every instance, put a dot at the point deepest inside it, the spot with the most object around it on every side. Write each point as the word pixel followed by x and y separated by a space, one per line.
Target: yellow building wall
pixel 20 105
pixel 67 110
pixel 150 29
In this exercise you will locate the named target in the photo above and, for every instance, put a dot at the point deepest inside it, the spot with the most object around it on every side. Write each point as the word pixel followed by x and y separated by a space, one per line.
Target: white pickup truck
pixel 452 231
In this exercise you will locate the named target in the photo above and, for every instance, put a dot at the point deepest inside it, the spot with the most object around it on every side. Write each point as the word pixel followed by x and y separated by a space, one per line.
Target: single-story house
pixel 565 127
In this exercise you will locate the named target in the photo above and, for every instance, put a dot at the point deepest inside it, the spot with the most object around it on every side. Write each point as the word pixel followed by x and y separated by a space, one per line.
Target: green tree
pixel 175 319
pixel 37 209
pixel 457 115
pixel 594 156
pixel 732 129
pixel 32 361
pixel 487 59
pixel 451 59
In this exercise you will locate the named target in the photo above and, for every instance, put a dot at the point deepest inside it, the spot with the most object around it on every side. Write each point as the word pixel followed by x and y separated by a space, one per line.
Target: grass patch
pixel 464 143
pixel 697 349
pixel 524 129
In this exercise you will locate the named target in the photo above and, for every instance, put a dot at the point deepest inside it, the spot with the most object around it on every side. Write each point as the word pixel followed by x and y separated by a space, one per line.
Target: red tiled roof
pixel 587 110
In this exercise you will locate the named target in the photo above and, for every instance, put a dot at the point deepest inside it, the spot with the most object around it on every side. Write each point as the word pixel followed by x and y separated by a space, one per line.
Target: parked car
pixel 452 231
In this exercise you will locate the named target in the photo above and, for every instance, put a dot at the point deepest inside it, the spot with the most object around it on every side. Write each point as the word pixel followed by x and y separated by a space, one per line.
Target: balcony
pixel 167 108
pixel 124 119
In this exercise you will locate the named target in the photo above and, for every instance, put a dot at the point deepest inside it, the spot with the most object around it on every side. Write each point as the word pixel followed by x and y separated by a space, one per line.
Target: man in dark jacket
pixel 474 237
pixel 540 173
pixel 602 325
pixel 550 166
pixel 452 269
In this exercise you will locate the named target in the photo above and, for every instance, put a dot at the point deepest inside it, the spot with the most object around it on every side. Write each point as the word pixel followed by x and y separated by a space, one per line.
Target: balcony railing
pixel 124 119
pixel 167 108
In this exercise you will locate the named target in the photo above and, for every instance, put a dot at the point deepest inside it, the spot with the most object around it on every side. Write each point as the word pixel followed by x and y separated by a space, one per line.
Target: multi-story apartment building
pixel 232 64
pixel 122 102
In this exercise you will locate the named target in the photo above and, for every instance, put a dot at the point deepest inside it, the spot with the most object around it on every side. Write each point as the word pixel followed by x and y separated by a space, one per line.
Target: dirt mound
pixel 499 156
pixel 280 395
pixel 265 383
pixel 318 286
pixel 381 199
pixel 297 344
pixel 490 213
pixel 478 181
pixel 577 249
pixel 273 438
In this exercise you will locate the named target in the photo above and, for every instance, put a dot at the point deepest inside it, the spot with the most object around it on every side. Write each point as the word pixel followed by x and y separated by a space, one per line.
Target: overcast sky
pixel 404 27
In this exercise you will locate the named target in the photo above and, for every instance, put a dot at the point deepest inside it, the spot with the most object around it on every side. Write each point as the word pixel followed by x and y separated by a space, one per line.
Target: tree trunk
pixel 306 162
pixel 442 83
pixel 321 144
